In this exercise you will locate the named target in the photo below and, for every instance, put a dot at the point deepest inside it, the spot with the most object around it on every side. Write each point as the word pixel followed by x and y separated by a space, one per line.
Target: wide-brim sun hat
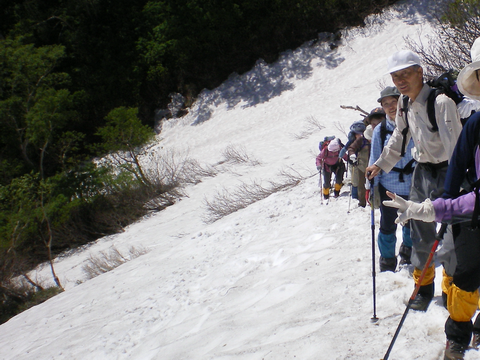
pixel 401 60
pixel 468 79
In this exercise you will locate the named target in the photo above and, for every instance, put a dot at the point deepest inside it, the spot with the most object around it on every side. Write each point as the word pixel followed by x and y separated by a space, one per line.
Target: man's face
pixel 389 105
pixel 409 81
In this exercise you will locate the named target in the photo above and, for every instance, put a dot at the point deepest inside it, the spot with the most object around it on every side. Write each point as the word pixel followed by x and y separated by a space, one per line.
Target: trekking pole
pixel 374 319
pixel 438 237
pixel 320 186
pixel 350 196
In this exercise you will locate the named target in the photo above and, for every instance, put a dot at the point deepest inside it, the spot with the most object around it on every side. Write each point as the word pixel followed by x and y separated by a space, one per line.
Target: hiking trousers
pixel 360 175
pixel 463 295
pixel 388 214
pixel 428 182
pixel 387 238
pixel 338 169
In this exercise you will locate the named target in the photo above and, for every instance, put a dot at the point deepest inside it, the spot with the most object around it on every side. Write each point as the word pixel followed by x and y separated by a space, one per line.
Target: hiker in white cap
pixel 459 208
pixel 432 150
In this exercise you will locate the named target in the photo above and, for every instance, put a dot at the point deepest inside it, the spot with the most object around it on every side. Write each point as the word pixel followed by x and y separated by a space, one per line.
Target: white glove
pixel 353 158
pixel 407 209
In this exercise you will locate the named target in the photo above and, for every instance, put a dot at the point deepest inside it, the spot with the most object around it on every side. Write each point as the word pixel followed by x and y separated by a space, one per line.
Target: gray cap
pixel 388 91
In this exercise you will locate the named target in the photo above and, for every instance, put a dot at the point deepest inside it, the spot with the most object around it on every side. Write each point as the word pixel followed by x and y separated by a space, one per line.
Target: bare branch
pixel 357 108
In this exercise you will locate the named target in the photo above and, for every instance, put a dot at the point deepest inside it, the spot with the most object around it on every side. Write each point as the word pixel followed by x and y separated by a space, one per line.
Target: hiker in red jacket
pixel 329 162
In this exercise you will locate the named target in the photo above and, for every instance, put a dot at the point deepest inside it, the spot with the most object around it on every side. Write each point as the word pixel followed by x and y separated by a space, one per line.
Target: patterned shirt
pixel 391 181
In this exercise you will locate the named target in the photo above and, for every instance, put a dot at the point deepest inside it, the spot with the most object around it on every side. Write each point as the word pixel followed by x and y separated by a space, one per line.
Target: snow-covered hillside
pixel 284 278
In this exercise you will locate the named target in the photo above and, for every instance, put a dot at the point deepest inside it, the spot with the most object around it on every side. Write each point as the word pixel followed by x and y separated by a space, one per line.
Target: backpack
pixel 444 84
pixel 324 143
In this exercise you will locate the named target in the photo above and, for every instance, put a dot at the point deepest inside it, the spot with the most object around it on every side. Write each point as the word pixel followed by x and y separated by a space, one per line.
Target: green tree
pixel 30 209
pixel 123 137
pixel 34 106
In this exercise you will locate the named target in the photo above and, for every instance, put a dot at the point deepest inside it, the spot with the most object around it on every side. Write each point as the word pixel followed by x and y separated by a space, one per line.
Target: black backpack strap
pixel 407 170
pixel 384 132
pixel 405 130
pixel 431 108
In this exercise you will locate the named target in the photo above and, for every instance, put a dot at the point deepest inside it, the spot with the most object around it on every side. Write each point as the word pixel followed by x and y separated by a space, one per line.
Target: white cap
pixel 334 145
pixel 467 80
pixel 402 60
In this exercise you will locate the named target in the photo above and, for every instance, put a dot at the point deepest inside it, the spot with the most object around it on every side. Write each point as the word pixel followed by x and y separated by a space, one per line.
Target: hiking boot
pixel 476 340
pixel 326 193
pixel 336 193
pixel 388 264
pixel 420 303
pixel 423 298
pixel 454 351
pixel 405 252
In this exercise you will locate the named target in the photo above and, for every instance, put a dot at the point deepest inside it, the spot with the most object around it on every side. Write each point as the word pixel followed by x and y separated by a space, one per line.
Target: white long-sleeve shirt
pixel 429 146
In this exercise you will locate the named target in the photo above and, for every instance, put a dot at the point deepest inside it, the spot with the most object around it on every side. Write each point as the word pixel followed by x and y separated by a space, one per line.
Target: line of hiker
pixel 424 176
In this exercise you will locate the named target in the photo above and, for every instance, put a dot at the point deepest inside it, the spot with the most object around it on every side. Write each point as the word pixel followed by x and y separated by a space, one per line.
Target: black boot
pixel 326 193
pixel 459 334
pixel 423 298
pixel 405 252
pixel 388 264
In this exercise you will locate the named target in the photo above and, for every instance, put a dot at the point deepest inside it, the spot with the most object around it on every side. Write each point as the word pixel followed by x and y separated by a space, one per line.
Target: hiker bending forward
pixel 329 162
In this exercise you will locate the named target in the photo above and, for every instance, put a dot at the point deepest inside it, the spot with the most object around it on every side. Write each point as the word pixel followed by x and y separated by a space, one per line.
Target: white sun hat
pixel 467 80
pixel 402 60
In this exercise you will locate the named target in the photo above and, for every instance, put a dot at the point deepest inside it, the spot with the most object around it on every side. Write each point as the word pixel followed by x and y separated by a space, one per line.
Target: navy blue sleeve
pixel 462 157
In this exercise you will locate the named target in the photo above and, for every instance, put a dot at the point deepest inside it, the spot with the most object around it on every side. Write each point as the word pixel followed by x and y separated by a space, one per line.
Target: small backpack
pixel 324 143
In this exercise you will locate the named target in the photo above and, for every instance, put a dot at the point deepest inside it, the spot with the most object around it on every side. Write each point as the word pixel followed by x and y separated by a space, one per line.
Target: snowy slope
pixel 286 277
